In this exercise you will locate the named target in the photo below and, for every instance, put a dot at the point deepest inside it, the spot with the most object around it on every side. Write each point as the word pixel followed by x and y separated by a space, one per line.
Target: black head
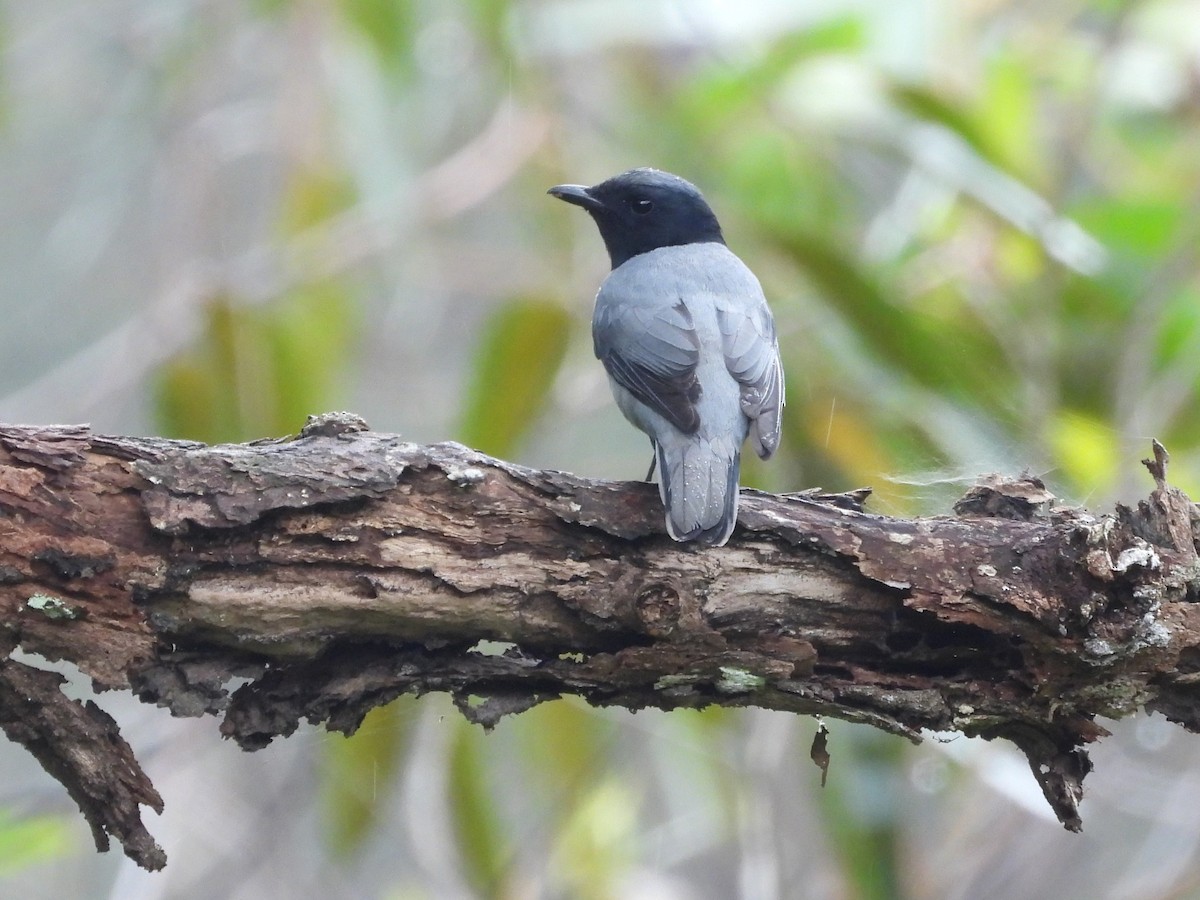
pixel 644 209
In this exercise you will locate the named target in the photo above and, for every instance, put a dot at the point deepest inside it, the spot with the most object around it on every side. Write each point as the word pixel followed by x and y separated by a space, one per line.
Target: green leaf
pixel 389 26
pixel 1001 127
pixel 258 371
pixel 847 436
pixel 515 366
pixel 725 88
pixel 861 809
pixel 307 342
pixel 1007 116
pixel 1139 226
pixel 271 7
pixel 35 839
pixel 564 744
pixel 314 196
pixel 482 842
pixel 931 106
pixel 359 772
pixel 944 348
pixel 598 843
pixel 1086 449
pixel 1179 330
pixel 197 391
pixel 490 19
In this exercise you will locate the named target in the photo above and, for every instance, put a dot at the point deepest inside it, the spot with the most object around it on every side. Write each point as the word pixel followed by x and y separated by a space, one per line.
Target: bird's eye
pixel 641 207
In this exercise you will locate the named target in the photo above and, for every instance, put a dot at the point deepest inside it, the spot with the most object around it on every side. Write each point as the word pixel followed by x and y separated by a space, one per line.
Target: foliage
pixel 976 223
pixel 31 840
pixel 978 265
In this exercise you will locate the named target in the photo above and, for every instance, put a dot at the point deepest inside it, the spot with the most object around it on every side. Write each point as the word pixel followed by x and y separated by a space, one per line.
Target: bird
pixel 684 332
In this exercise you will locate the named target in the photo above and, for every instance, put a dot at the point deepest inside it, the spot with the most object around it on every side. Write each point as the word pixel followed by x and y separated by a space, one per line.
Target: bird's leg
pixel 653 461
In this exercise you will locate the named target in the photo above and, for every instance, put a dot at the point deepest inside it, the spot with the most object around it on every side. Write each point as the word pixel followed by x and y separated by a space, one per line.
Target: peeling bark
pixel 332 572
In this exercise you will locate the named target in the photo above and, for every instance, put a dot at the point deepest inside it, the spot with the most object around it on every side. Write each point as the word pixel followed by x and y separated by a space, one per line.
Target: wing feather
pixel 751 350
pixel 657 357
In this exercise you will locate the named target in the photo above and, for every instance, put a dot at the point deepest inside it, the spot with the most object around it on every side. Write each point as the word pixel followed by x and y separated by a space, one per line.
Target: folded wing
pixel 652 352
pixel 751 350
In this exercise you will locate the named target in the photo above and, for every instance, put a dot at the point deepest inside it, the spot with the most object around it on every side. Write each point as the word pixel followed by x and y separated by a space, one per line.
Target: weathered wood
pixel 342 568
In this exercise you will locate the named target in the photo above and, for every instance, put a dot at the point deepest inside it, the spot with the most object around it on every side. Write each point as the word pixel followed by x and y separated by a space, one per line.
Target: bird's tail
pixel 699 488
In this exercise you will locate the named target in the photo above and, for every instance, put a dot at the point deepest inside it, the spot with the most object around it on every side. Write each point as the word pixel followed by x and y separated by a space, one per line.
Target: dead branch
pixel 342 568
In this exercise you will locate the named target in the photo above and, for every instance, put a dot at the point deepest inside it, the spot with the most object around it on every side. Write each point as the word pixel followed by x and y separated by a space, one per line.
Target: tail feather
pixel 699 489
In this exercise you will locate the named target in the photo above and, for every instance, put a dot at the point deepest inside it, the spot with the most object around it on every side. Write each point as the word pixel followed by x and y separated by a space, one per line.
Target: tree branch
pixel 340 569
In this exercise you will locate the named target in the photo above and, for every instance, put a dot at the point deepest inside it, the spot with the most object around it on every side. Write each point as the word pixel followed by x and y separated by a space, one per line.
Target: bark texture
pixel 329 573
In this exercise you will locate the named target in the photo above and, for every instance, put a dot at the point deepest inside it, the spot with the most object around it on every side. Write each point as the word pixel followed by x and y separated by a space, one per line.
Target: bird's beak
pixel 576 194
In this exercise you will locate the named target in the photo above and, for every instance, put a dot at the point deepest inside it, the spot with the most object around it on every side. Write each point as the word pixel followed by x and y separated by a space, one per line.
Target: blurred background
pixel 978 222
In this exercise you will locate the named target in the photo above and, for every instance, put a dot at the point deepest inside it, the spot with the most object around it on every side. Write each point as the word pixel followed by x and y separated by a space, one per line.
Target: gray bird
pixel 688 342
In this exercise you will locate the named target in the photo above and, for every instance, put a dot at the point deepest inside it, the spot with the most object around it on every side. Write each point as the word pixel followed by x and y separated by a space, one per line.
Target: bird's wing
pixel 751 350
pixel 652 352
